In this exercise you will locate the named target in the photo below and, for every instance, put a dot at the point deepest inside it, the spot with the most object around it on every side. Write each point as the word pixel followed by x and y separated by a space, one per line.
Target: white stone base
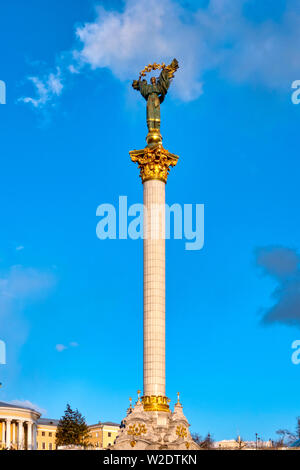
pixel 154 430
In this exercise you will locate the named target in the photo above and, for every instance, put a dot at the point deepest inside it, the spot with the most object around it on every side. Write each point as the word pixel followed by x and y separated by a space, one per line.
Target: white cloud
pixel 28 404
pixel 20 285
pixel 19 248
pixel 60 347
pixel 19 288
pixel 146 31
pixel 47 88
pixel 217 37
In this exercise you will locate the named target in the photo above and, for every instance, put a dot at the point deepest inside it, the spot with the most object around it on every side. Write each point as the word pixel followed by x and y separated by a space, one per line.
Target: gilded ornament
pixel 181 431
pixel 156 403
pixel 137 429
pixel 154 163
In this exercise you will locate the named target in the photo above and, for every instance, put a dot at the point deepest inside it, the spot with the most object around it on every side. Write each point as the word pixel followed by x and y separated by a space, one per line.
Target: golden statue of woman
pixel 155 92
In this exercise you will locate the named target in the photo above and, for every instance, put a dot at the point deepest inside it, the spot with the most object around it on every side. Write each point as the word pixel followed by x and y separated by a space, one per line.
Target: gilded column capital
pixel 154 162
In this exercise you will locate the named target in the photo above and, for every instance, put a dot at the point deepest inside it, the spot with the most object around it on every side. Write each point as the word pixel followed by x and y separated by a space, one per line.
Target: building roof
pixel 106 423
pixel 48 422
pixel 109 423
pixel 9 405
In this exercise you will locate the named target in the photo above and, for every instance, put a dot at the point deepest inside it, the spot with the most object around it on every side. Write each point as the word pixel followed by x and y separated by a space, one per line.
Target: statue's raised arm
pixel 155 92
pixel 165 78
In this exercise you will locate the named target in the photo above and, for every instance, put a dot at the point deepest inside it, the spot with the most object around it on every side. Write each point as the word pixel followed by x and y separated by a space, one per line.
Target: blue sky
pixel 70 120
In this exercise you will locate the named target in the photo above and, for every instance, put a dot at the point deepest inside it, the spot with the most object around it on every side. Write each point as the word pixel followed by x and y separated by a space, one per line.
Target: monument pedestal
pixel 154 430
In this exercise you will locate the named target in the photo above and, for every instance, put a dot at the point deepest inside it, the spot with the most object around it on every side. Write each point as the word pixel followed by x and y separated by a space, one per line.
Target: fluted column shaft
pixel 3 432
pixel 29 435
pixel 8 441
pixel 154 288
pixel 34 430
pixel 20 438
pixel 13 433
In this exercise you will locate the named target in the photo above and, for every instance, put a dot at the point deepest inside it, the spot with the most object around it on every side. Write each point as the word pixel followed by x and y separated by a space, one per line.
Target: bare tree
pixel 288 437
pixel 206 443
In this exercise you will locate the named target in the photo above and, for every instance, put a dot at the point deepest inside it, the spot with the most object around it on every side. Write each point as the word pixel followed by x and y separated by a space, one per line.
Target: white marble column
pixel 3 432
pixel 29 435
pixel 20 438
pixel 34 430
pixel 154 288
pixel 13 440
pixel 8 439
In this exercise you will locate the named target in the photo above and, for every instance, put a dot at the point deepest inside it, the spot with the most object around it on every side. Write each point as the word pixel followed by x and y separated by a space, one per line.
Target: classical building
pixel 18 427
pixel 46 434
pixel 22 428
pixel 103 435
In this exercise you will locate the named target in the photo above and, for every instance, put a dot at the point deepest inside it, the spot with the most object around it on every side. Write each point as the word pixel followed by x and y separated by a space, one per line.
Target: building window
pixel 109 434
pixel 50 434
pixel 43 434
pixel 44 446
pixel 50 446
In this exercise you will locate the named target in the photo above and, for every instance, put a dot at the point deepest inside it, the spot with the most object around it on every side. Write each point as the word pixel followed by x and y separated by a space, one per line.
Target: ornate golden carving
pixel 181 431
pixel 187 445
pixel 137 429
pixel 154 162
pixel 156 403
pixel 132 443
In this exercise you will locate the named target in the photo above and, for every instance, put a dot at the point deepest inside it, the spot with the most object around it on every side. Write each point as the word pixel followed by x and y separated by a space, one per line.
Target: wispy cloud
pixel 283 265
pixel 28 404
pixel 62 347
pixel 19 287
pixel 219 36
pixel 20 284
pixel 46 88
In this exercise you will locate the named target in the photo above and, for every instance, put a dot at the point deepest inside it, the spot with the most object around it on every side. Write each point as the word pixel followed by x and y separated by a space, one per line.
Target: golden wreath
pixel 151 67
pixel 170 68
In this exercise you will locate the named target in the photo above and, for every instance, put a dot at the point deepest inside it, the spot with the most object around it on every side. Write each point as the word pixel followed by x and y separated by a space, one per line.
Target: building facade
pixel 18 427
pixel 46 434
pixel 103 435
pixel 23 428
